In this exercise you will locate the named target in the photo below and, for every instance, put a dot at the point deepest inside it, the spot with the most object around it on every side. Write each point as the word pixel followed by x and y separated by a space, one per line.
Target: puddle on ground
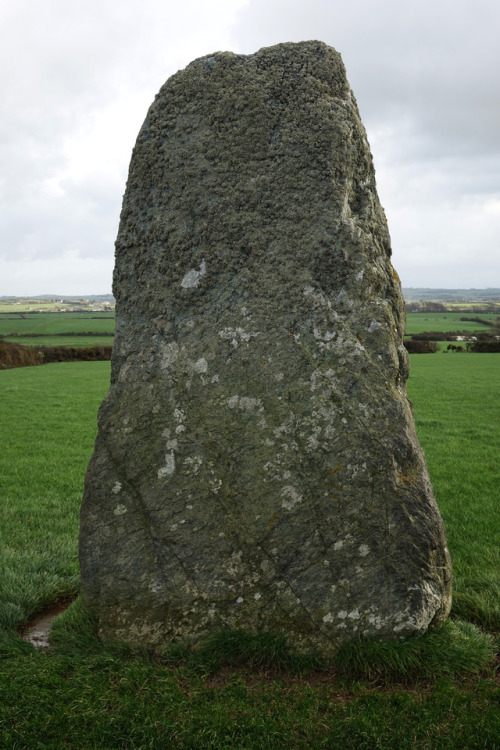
pixel 38 628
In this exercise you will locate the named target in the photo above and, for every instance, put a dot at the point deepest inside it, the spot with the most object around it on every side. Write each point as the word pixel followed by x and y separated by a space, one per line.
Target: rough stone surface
pixel 257 464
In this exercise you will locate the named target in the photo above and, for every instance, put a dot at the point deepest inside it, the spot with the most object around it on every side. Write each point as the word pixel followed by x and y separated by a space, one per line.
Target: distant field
pixel 446 321
pixel 51 323
pixel 473 297
pixel 25 304
pixel 494 306
pixel 100 340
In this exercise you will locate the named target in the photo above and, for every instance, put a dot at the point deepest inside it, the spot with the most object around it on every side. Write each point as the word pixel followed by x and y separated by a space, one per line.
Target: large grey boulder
pixel 257 464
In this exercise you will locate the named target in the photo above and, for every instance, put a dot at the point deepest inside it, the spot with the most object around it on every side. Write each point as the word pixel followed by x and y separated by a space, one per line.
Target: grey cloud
pixel 435 61
pixel 80 75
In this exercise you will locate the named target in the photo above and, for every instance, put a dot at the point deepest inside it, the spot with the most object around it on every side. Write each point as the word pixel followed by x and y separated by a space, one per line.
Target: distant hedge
pixel 449 335
pixel 420 347
pixel 16 355
pixel 13 354
pixel 484 347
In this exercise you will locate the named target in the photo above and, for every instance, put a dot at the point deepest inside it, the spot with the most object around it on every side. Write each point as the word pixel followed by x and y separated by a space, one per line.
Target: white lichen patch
pixel 201 365
pixel 376 621
pixel 193 463
pixel 342 614
pixel 257 596
pixel 239 600
pixel 327 336
pixel 237 335
pixel 234 564
pixel 215 485
pixel 285 428
pixel 116 488
pixel 179 415
pixel 312 441
pixel 169 468
pixel 328 617
pixel 364 550
pixel 374 326
pixel 355 469
pixel 245 403
pixel 192 277
pixel 324 381
pixel 169 353
pixel 120 510
pixel 338 545
pixel 291 497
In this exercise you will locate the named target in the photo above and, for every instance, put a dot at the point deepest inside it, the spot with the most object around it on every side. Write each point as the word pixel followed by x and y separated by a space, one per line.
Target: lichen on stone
pixel 257 464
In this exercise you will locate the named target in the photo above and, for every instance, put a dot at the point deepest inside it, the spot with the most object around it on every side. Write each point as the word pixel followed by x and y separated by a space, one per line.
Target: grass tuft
pixel 74 635
pixel 235 648
pixel 457 649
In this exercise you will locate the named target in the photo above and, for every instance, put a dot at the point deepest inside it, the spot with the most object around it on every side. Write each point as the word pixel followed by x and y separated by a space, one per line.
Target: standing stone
pixel 257 464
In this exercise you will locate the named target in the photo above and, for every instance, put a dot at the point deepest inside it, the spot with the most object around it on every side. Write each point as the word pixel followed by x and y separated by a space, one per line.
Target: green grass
pixel 46 326
pixel 100 340
pixel 457 413
pixel 48 425
pixel 51 323
pixel 446 321
pixel 240 691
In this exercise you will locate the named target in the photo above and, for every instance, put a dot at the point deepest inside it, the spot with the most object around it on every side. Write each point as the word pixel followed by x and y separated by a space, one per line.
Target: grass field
pixel 99 340
pixel 7 306
pixel 446 321
pixel 51 323
pixel 457 413
pixel 46 326
pixel 81 694
pixel 19 305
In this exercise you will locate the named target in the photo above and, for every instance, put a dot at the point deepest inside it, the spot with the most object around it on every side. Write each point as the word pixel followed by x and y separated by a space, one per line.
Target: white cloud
pixel 77 77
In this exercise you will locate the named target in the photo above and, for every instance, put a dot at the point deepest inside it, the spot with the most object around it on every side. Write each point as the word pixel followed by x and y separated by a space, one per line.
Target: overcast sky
pixel 77 78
